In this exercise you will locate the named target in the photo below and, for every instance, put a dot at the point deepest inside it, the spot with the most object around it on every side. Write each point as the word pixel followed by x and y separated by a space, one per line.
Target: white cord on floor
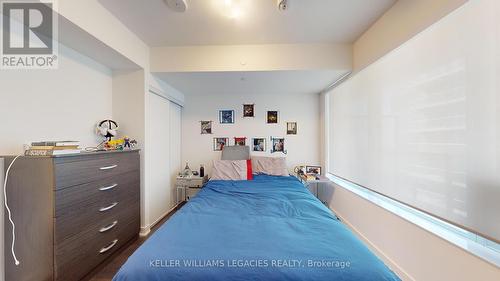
pixel 8 210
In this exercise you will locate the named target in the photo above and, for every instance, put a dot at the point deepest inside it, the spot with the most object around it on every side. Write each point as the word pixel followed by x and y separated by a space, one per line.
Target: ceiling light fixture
pixel 177 5
pixel 233 9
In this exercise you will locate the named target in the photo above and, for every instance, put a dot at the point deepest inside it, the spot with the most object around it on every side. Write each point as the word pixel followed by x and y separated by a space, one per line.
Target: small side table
pixel 316 182
pixel 188 187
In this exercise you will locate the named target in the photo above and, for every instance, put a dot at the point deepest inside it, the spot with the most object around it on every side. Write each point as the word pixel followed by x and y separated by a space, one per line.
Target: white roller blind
pixel 422 124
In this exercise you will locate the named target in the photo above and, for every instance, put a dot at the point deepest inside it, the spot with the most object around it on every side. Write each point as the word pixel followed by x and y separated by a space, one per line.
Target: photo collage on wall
pixel 257 143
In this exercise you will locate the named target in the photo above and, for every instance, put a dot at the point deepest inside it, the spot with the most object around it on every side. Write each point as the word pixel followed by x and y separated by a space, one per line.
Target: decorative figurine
pixel 187 171
pixel 133 143
pixel 126 142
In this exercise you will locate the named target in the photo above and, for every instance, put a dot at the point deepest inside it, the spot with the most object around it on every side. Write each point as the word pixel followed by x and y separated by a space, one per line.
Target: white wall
pixel 160 87
pixel 54 104
pixel 303 148
pixel 94 18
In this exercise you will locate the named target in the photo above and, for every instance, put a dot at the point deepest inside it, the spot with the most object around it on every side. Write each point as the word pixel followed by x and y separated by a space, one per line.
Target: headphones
pixel 107 128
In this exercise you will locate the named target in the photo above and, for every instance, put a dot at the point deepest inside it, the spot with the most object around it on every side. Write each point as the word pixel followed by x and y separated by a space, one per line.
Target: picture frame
pixel 291 128
pixel 240 141
pixel 220 142
pixel 313 170
pixel 272 117
pixel 248 110
pixel 206 127
pixel 278 145
pixel 226 116
pixel 259 144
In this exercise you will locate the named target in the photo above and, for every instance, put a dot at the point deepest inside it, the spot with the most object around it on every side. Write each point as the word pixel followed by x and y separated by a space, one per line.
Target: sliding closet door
pixel 158 176
pixel 175 148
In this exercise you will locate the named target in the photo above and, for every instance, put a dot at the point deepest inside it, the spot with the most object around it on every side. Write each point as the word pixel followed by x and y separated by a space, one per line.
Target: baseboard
pixel 391 263
pixel 145 230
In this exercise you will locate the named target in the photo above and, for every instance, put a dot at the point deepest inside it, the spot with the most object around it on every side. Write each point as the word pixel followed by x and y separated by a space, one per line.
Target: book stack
pixel 49 148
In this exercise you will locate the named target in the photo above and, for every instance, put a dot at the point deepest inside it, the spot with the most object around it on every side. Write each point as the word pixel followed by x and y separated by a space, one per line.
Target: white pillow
pixel 229 170
pixel 274 166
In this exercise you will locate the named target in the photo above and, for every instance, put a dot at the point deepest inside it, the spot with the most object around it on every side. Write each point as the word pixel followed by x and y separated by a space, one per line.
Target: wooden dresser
pixel 71 213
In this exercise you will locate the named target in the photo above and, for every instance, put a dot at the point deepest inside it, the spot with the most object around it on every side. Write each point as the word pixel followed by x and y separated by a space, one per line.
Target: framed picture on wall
pixel 278 145
pixel 314 170
pixel 259 144
pixel 219 143
pixel 226 116
pixel 291 128
pixel 272 117
pixel 206 127
pixel 248 110
pixel 240 141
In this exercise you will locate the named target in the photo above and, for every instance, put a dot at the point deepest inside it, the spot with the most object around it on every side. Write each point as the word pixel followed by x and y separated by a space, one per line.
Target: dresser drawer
pixel 82 170
pixel 80 206
pixel 79 198
pixel 79 254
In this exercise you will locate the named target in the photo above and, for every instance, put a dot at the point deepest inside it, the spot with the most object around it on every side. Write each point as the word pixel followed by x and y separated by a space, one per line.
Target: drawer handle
pixel 106 228
pixel 108 167
pixel 104 188
pixel 104 209
pixel 107 248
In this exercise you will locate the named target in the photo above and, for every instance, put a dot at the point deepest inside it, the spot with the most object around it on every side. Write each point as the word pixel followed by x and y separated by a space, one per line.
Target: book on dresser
pixel 48 148
pixel 71 212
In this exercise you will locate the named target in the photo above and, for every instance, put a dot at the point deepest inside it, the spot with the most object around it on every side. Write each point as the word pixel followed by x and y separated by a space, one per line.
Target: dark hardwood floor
pixel 107 270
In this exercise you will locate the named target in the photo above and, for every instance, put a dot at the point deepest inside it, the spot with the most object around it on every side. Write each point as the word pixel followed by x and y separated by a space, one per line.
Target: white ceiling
pixel 206 22
pixel 275 83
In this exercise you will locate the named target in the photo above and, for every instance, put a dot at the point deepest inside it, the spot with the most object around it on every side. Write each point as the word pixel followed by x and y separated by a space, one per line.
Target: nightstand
pixel 309 183
pixel 188 187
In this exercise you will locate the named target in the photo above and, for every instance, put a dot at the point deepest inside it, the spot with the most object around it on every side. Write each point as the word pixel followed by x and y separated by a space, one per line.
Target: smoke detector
pixel 177 5
pixel 282 4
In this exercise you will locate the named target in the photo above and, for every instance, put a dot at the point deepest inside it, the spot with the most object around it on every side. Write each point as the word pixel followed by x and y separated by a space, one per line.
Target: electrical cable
pixel 9 212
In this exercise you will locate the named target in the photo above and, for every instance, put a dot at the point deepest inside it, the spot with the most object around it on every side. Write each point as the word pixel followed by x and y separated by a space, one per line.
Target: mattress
pixel 271 228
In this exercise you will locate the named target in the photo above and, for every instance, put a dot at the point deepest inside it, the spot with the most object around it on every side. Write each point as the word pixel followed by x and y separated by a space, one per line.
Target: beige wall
pixel 401 22
pixel 251 57
pixel 412 252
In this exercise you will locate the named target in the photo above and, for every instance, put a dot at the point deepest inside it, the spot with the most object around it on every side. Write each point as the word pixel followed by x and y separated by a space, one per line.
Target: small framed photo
pixel 226 116
pixel 219 143
pixel 259 144
pixel 248 110
pixel 206 127
pixel 240 141
pixel 272 117
pixel 291 128
pixel 278 145
pixel 313 170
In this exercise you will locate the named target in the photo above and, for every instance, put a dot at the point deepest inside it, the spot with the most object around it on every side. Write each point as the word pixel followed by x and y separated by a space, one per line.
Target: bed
pixel 270 228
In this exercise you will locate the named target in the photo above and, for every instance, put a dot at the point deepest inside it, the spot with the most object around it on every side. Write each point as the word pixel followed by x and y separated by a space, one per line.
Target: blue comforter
pixel 271 228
